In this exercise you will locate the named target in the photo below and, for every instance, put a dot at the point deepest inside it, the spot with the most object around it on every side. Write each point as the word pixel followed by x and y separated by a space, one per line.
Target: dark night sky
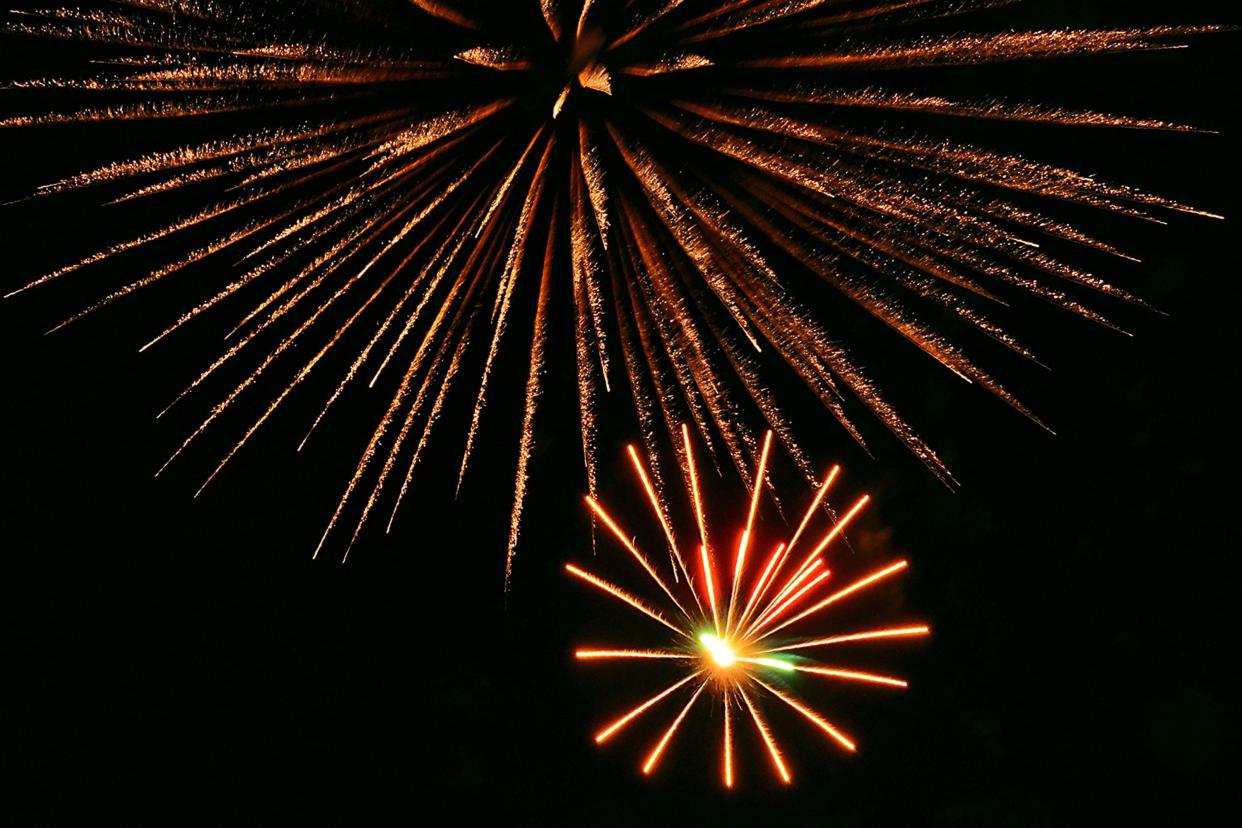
pixel 184 661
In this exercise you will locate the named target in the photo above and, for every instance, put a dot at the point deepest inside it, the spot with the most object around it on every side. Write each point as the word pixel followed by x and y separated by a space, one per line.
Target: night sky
pixel 184 661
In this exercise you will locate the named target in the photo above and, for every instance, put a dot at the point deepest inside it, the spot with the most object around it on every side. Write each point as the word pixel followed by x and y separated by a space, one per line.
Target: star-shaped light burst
pixel 743 629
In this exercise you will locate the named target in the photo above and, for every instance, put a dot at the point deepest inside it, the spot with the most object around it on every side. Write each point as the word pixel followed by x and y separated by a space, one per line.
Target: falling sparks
pixel 748 646
pixel 398 183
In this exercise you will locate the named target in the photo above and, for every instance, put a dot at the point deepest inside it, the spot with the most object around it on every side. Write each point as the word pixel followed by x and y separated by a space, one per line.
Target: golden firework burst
pixel 384 187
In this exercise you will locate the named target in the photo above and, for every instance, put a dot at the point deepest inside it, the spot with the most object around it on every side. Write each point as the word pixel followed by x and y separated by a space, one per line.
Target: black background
pixel 185 661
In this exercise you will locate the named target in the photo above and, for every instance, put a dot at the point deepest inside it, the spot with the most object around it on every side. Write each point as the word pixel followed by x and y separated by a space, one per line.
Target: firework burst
pixel 389 190
pixel 738 627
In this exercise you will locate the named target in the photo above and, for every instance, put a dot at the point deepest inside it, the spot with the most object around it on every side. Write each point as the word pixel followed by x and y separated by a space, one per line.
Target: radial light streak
pixel 795 582
pixel 364 183
pixel 762 581
pixel 633 550
pixel 814 507
pixel 619 594
pixel 774 752
pixel 587 655
pixel 852 675
pixel 819 721
pixel 784 606
pixel 668 734
pixel 845 593
pixel 872 635
pixel 608 731
pixel 743 664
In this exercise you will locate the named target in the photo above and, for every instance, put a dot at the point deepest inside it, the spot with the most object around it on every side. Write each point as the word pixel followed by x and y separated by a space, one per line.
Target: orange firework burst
pixel 389 185
pixel 739 626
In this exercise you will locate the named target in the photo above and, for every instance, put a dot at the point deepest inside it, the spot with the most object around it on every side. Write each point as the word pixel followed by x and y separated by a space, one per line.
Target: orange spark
pixel 762 581
pixel 871 635
pixel 819 721
pixel 656 507
pixel 694 484
pixel 794 583
pixel 613 654
pixel 779 610
pixel 620 594
pixel 819 498
pixel 773 751
pixel 709 579
pixel 608 731
pixel 849 590
pixel 650 764
pixel 853 675
pixel 836 530
pixel 633 550
pixel 760 475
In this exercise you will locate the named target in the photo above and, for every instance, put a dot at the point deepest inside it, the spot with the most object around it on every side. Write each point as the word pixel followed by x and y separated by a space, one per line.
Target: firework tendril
pixel 681 177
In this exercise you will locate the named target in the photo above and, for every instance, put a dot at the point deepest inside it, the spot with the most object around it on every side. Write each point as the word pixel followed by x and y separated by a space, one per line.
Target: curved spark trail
pixel 732 649
pixel 384 189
